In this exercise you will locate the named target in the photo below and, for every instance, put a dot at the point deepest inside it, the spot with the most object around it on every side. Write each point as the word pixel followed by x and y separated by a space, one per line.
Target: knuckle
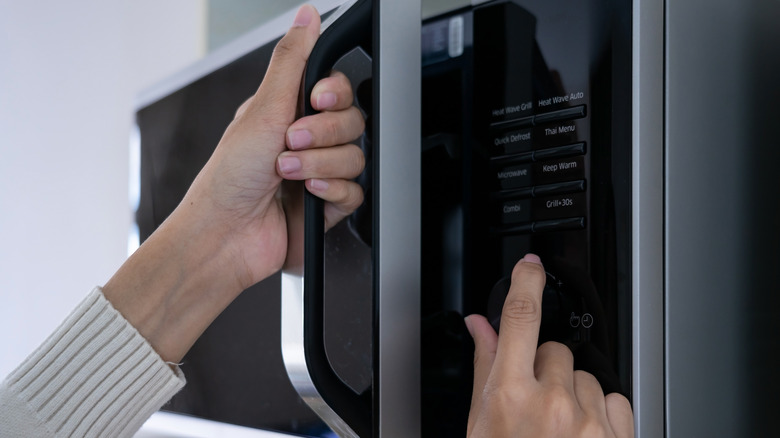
pixel 591 428
pixel 559 405
pixel 357 117
pixel 287 50
pixel 357 121
pixel 617 402
pixel 358 160
pixel 339 76
pixel 353 198
pixel 284 47
pixel 503 396
pixel 520 309
pixel 586 378
pixel 556 349
pixel 323 85
pixel 332 130
pixel 341 82
pixel 242 108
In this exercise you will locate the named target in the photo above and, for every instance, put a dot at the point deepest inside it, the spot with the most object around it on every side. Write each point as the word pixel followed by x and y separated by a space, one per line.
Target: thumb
pixel 485 344
pixel 283 77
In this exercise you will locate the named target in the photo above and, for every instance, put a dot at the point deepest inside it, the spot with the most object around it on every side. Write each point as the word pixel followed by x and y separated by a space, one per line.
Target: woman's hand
pixel 238 189
pixel 522 391
pixel 229 232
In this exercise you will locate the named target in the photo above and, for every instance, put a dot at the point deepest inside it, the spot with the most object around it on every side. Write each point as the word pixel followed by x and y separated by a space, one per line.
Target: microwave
pixel 493 129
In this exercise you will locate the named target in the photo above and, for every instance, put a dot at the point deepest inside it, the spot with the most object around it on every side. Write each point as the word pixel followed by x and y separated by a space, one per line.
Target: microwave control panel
pixel 526 149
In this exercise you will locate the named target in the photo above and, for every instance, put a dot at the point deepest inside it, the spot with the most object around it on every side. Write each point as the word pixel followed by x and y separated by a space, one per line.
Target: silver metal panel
pixel 294 354
pixel 398 255
pixel 722 216
pixel 647 223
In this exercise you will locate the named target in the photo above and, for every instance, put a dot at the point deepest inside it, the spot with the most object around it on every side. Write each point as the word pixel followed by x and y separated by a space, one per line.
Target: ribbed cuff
pixel 95 375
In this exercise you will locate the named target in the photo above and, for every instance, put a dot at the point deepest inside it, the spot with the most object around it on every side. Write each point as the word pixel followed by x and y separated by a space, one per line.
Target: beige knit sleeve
pixel 94 376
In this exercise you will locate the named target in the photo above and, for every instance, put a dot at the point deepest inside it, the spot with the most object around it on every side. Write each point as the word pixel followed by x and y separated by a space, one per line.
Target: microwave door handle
pixel 303 347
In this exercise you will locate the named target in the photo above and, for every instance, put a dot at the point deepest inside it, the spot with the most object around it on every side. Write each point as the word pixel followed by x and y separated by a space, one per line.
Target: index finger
pixel 520 321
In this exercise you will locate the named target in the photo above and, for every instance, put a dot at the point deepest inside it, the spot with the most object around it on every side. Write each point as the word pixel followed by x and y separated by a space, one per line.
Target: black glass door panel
pixel 524 151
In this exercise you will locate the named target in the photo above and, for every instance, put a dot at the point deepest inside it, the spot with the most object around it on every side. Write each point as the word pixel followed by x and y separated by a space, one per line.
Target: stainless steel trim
pixel 648 218
pixel 294 357
pixel 399 57
pixel 230 52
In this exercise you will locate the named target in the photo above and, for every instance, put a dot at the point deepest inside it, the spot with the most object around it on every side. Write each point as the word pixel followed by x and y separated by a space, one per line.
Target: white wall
pixel 69 71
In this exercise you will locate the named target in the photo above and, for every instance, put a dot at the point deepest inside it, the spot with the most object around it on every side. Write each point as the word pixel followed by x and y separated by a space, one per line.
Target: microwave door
pixel 369 262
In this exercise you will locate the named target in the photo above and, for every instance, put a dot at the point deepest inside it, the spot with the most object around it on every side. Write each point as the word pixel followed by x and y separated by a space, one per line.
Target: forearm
pixel 176 283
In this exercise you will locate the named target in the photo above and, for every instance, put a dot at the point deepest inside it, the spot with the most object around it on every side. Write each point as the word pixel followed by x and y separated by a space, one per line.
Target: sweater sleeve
pixel 94 376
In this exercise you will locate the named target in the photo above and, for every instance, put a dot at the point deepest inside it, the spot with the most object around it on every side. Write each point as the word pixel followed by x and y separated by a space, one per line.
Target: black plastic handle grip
pixel 350 30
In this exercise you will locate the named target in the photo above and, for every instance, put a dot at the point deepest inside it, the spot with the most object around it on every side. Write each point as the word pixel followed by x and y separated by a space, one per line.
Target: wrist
pixel 176 283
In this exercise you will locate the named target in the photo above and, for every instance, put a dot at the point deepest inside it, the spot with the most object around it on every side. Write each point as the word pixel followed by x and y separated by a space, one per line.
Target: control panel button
pixel 575 223
pixel 515 176
pixel 521 122
pixel 540 155
pixel 514 212
pixel 526 228
pixel 561 206
pixel 562 169
pixel 576 112
pixel 525 192
pixel 563 187
pixel 510 142
pixel 508 160
pixel 560 151
pixel 555 134
pixel 539 191
pixel 572 113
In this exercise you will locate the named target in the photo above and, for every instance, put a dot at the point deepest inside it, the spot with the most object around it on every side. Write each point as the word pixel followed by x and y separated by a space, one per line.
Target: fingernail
pixel 326 100
pixel 318 185
pixel 532 258
pixel 303 17
pixel 467 320
pixel 299 139
pixel 288 165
